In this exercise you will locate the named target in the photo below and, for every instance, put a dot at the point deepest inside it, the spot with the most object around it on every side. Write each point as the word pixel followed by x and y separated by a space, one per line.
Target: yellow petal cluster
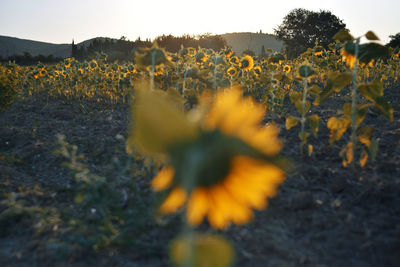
pixel 248 185
pixel 249 182
pixel 348 58
pixel 242 118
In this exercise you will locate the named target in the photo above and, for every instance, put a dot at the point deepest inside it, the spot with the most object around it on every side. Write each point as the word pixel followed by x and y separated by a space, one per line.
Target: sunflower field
pixel 203 158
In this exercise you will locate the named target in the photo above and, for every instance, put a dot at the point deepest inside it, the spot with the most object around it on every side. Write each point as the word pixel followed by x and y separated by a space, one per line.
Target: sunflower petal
pixel 174 201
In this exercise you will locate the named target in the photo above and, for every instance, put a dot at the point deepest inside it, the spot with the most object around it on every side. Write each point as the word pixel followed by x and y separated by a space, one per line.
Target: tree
pixel 302 28
pixel 394 40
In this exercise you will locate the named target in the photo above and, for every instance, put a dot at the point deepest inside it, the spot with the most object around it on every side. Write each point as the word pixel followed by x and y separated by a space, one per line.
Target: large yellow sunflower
pixel 348 58
pixel 247 63
pixel 233 174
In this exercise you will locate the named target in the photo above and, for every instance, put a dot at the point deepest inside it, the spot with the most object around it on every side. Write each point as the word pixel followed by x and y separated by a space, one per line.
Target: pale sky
pixel 58 21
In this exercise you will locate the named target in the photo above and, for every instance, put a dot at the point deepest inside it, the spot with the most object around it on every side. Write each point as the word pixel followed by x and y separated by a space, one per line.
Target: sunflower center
pixel 204 163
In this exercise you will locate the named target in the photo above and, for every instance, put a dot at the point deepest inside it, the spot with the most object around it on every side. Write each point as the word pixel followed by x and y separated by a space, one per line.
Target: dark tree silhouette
pixel 173 44
pixel 394 40
pixel 302 28
pixel 27 59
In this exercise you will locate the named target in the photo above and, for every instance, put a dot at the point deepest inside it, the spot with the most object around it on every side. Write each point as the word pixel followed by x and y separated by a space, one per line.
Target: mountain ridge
pixel 239 41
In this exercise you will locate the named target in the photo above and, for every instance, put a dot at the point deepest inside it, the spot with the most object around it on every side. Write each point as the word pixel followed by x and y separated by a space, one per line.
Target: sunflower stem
pixel 354 105
pixel 188 185
pixel 303 116
pixel 153 61
pixel 215 75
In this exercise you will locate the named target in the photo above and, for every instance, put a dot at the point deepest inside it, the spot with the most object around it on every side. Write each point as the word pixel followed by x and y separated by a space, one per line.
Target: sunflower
pixel 93 64
pixel 228 52
pixel 232 72
pixel 131 68
pixel 257 70
pixel 191 52
pixel 200 58
pixel 286 68
pixel 318 51
pixel 246 63
pixel 67 62
pixel 158 71
pixel 348 58
pixel 36 74
pixel 234 60
pixel 229 176
pixel 43 72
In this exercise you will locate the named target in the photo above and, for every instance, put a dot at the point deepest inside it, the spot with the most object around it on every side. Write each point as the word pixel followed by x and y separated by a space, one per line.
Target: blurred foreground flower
pixel 201 250
pixel 221 161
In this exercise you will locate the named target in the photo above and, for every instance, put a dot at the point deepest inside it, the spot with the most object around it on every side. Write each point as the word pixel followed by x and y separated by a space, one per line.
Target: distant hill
pixel 241 41
pixel 14 46
pixel 238 41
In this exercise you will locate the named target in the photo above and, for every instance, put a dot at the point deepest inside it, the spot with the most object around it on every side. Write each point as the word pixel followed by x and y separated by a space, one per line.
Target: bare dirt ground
pixel 324 215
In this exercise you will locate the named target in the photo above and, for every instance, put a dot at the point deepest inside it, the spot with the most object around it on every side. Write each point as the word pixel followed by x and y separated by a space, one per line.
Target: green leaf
pixel 314 90
pixel 347 109
pixel 291 122
pixel 340 79
pixel 370 35
pixel 305 71
pixel 364 135
pixel 313 122
pixel 295 96
pixel 367 52
pixel 336 82
pixel 384 106
pixel 361 113
pixel 371 90
pixel 317 100
pixel 305 137
pixel 158 122
pixel 370 51
pixel 299 106
pixel 343 35
pixel 374 92
pixel 373 148
pixel 337 127
pixel 363 158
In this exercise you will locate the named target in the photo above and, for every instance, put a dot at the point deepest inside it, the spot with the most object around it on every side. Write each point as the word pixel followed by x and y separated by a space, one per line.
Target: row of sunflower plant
pixel 220 161
pixel 198 114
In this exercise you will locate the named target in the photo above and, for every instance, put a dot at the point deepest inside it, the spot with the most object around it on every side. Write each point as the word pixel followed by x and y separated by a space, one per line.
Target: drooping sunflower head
pixel 36 74
pixel 219 161
pixel 183 52
pixel 228 52
pixel 276 58
pixel 247 63
pixel 200 58
pixel 191 52
pixel 131 68
pixel 151 57
pixel 67 62
pixel 232 72
pixel 93 64
pixel 43 72
pixel 159 70
pixel 234 60
pixel 257 70
pixel 349 58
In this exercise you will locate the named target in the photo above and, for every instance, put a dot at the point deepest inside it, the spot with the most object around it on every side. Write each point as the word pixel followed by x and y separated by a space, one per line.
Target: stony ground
pixel 324 215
